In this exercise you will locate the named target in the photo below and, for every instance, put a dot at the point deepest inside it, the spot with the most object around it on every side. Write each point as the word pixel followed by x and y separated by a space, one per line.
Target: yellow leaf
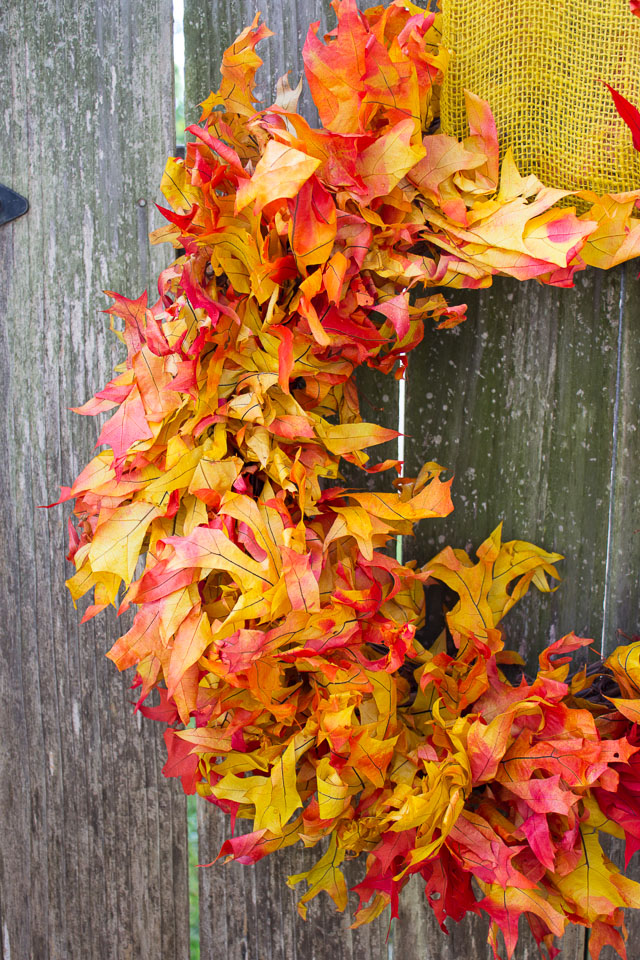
pixel 275 797
pixel 482 588
pixel 594 885
pixel 333 794
pixel 178 477
pixel 117 542
pixel 208 549
pixel 383 164
pixel 624 663
pixel 324 875
pixel 213 477
pixel 176 186
pixel 191 640
pixel 628 708
pixel 245 509
pixel 345 437
pixel 207 740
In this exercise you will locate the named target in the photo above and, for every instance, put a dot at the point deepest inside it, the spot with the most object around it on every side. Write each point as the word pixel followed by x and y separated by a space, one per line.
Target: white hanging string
pixel 607 641
pixel 178 69
pixel 402 393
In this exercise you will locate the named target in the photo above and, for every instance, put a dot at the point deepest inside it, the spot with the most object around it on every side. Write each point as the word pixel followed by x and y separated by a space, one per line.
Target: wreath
pixel 293 673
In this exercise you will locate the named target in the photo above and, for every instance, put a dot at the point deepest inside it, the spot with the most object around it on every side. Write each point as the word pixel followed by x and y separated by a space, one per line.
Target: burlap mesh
pixel 539 63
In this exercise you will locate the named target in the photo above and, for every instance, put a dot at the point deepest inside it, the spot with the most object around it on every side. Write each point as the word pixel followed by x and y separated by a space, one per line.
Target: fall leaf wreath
pixel 281 636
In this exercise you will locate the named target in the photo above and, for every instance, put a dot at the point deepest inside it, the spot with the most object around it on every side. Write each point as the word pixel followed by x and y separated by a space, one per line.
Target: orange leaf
pixel 280 173
pixel 191 641
pixel 313 225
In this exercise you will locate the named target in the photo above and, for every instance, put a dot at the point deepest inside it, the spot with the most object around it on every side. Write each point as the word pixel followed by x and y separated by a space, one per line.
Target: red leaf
pixel 166 711
pixel 627 111
pixel 285 354
pixel 134 313
pixel 126 426
pixel 180 761
pixel 181 220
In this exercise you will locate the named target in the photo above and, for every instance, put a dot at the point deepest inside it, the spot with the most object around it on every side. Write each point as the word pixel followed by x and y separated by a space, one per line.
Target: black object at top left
pixel 12 205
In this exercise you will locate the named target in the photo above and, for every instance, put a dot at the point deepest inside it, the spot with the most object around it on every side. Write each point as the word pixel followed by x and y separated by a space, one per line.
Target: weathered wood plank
pixel 621 611
pixel 94 841
pixel 247 913
pixel 378 396
pixel 623 574
pixel 518 403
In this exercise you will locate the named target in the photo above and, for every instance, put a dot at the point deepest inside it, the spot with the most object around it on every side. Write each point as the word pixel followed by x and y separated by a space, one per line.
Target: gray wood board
pixel 94 853
pixel 621 602
pixel 621 608
pixel 518 403
pixel 378 395
pixel 249 913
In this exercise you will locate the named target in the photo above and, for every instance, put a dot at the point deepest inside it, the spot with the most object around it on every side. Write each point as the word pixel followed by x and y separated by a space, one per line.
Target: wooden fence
pixel 533 403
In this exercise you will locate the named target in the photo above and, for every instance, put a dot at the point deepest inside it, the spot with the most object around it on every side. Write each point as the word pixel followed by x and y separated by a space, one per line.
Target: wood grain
pixel 93 860
pixel 622 608
pixel 534 404
pixel 518 403
pixel 249 913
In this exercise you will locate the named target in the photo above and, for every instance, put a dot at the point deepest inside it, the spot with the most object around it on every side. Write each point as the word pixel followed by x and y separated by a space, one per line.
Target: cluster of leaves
pixel 268 611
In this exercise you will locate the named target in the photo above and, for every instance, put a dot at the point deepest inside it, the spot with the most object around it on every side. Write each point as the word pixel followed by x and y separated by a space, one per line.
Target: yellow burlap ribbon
pixel 540 64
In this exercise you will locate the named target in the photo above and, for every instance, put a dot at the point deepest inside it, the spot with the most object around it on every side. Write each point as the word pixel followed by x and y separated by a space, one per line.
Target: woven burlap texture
pixel 540 64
